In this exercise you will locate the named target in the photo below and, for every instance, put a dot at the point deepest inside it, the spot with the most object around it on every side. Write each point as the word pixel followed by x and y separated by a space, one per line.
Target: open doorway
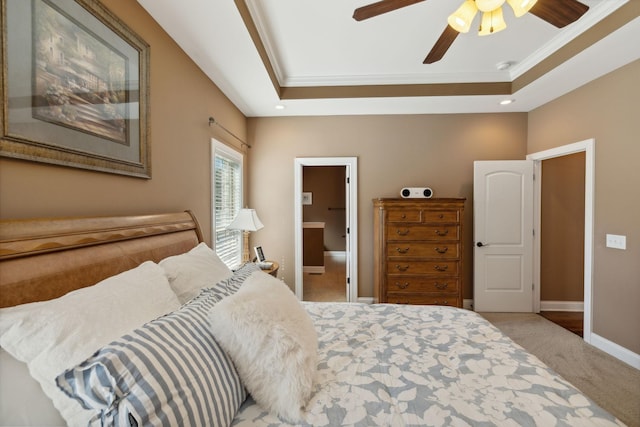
pixel 562 241
pixel 325 229
pixel 588 148
pixel 324 233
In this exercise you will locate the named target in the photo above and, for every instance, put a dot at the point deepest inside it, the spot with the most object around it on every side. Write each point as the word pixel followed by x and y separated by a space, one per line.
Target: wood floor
pixel 570 320
pixel 330 286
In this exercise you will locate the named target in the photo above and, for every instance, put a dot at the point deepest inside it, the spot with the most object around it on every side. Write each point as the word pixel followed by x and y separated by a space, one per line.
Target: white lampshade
pixel 461 19
pixel 520 7
pixel 492 22
pixel 246 220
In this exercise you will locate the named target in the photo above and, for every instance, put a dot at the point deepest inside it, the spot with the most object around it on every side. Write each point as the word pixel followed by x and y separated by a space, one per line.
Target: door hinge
pixel 348 280
pixel 348 230
pixel 348 180
pixel 533 286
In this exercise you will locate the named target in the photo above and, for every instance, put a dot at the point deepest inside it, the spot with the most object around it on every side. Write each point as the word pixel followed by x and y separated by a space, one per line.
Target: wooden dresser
pixel 418 251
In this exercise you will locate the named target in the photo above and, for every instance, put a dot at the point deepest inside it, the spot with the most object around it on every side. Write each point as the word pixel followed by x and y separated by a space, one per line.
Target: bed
pixel 155 331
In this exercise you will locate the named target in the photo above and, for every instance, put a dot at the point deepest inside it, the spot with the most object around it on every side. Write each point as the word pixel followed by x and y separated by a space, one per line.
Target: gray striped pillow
pixel 231 285
pixel 170 371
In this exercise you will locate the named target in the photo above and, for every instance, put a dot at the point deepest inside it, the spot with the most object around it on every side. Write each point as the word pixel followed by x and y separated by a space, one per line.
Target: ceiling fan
pixel 558 13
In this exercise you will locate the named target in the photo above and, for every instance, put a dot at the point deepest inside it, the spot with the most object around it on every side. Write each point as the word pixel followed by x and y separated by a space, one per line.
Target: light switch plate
pixel 616 241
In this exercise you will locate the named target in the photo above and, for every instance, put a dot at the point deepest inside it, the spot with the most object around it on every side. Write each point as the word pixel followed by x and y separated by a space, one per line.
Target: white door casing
pixel 351 210
pixel 503 236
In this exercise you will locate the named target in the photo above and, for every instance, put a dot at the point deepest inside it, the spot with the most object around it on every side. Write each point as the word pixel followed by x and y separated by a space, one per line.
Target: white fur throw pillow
pixel 272 342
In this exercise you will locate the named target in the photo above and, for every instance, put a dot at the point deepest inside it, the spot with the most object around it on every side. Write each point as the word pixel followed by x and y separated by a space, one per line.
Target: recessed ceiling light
pixel 507 101
pixel 502 66
pixel 279 107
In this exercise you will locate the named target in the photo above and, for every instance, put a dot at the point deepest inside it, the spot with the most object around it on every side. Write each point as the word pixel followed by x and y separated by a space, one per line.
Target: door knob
pixel 480 244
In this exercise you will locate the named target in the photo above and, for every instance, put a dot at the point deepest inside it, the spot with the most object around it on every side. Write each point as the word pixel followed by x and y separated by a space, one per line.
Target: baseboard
pixel 335 254
pixel 561 306
pixel 313 269
pixel 616 350
pixel 366 300
pixel 544 305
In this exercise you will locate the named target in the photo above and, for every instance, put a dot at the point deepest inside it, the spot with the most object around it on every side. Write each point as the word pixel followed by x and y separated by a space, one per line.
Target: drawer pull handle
pixel 442 250
pixel 441 267
pixel 402 250
pixel 402 232
pixel 403 216
pixel 442 233
pixel 402 267
pixel 441 286
pixel 441 216
pixel 404 285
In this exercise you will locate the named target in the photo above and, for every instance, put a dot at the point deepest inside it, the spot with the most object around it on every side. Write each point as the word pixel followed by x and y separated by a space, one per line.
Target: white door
pixel 503 236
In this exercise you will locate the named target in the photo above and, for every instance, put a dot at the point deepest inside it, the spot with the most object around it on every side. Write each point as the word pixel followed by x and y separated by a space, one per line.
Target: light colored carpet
pixel 612 384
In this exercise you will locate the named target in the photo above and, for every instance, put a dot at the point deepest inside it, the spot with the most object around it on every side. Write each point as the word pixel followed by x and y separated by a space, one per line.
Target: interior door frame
pixel 351 164
pixel 588 147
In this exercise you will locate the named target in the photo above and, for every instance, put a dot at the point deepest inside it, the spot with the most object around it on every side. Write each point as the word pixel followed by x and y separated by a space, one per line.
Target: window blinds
pixel 227 203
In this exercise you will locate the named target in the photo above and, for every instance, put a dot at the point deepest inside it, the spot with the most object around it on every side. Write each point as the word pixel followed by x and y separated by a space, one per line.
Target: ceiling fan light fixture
pixel 489 5
pixel 461 19
pixel 520 7
pixel 492 22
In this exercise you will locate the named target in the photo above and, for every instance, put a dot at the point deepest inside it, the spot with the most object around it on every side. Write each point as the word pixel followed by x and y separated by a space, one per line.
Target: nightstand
pixel 273 270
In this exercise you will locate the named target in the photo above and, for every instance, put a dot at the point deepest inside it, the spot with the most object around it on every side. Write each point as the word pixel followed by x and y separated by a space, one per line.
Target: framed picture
pixel 259 254
pixel 75 87
pixel 307 198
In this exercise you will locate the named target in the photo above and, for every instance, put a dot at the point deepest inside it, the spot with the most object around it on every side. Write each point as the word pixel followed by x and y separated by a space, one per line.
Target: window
pixel 227 201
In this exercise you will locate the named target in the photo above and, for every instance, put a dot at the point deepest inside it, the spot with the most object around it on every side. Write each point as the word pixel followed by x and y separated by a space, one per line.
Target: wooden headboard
pixel 42 259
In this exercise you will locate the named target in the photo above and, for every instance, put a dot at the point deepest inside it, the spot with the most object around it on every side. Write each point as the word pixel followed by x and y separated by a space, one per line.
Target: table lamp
pixel 247 220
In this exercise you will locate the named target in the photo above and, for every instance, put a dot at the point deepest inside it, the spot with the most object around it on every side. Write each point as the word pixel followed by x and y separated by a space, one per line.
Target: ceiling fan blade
pixel 559 12
pixel 442 45
pixel 378 8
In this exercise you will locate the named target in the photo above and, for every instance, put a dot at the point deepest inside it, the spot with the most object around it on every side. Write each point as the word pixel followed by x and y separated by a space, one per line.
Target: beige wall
pixel 393 152
pixel 608 110
pixel 182 99
pixel 562 231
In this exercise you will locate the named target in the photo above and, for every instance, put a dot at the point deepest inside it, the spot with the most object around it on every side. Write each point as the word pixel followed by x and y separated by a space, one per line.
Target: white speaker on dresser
pixel 416 193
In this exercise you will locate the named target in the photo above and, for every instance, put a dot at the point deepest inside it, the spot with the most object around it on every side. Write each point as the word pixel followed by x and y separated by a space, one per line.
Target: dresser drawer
pixel 441 216
pixel 446 250
pixel 402 232
pixel 404 215
pixel 450 300
pixel 403 284
pixel 434 268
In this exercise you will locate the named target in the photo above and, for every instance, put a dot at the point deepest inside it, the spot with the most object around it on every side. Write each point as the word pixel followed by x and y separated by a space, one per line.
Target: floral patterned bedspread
pixel 391 365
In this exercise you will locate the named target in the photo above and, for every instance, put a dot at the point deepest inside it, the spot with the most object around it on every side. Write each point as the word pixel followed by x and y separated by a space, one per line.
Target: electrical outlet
pixel 617 242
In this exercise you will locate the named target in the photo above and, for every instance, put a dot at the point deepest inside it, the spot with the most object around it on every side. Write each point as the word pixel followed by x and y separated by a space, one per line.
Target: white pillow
pixel 22 401
pixel 51 336
pixel 199 268
pixel 272 342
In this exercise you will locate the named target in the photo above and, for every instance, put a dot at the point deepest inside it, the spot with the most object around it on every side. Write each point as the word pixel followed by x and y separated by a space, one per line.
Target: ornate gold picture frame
pixel 75 87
